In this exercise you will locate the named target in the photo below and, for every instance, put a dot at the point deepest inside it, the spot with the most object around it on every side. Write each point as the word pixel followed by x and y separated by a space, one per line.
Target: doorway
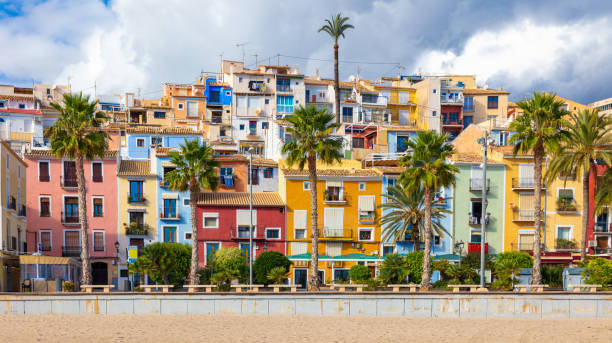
pixel 300 277
pixel 99 273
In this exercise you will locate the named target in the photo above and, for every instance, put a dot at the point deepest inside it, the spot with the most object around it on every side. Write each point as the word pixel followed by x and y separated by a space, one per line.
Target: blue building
pixel 217 93
pixel 140 140
pixel 397 139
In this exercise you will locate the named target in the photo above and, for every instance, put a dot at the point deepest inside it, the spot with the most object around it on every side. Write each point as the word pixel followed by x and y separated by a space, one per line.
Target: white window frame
pixel 50 207
pixel 371 229
pixel 306 185
pixel 272 228
pixel 382 248
pixel 210 215
pixel 197 109
pixel 362 186
pixel 92 205
pixel 295 233
pixel 50 238
pixel 526 232
pixel 206 249
pixel 571 231
pixel 180 106
pixel 48 165
pixel 91 169
pixel 93 241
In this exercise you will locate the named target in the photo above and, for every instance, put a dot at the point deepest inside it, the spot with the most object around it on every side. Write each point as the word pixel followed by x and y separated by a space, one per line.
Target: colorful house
pixel 53 223
pixel 137 142
pixel 13 197
pixel 224 220
pixel 348 202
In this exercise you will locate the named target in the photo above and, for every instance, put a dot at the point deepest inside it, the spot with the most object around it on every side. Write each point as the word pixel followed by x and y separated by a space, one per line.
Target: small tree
pixel 267 261
pixel 166 263
pixel 229 259
pixel 507 266
pixel 394 269
pixel 277 275
pixel 414 260
pixel 359 274
pixel 598 271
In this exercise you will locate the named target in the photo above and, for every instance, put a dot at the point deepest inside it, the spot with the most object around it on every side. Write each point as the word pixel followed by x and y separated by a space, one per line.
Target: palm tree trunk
pixel 86 264
pixel 194 277
pixel 336 83
pixel 585 211
pixel 426 276
pixel 313 280
pixel 416 237
pixel 536 273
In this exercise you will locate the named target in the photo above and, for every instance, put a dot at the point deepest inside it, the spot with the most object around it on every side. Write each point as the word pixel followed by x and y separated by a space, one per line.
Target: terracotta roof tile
pixel 390 170
pixel 260 199
pixel 164 130
pixel 135 168
pixel 230 158
pixel 477 91
pixel 35 153
pixel 17 97
pixel 265 162
pixel 219 84
pixel 334 172
pixel 317 82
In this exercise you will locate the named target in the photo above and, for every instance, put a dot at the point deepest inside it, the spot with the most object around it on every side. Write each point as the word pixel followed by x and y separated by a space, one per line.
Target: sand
pixel 225 328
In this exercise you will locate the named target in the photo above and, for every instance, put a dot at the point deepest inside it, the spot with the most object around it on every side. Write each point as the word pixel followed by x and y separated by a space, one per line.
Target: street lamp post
pixel 483 219
pixel 250 178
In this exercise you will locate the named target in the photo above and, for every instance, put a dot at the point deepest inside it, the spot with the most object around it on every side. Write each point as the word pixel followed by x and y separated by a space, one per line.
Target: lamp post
pixel 118 274
pixel 483 220
pixel 250 178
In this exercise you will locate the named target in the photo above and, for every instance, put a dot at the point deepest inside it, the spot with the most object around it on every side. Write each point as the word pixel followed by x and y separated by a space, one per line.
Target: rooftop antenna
pixel 242 45
pixel 256 61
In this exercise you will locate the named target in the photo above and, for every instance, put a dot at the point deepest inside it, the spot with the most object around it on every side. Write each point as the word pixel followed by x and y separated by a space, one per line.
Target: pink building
pixel 53 225
pixel 224 218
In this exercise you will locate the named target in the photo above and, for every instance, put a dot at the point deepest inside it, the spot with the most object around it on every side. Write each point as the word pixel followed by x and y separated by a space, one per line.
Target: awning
pixel 32 259
pixel 168 165
pixel 308 256
pixel 334 183
pixel 356 256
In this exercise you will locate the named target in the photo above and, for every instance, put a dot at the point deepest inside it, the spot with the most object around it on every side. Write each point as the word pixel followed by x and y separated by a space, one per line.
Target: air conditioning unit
pixel 592 243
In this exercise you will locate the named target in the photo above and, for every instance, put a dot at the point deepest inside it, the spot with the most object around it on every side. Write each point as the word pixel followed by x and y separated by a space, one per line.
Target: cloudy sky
pixel 126 45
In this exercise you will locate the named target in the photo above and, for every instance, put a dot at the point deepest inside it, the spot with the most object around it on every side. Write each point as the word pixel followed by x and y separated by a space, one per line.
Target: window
pixel 298 248
pixel 475 236
pixel 362 186
pixel 284 103
pixel 347 114
pixel 98 207
pixel 226 177
pixel 72 239
pixel 140 142
pixel 211 249
pixel 476 213
pixel 437 241
pixel 526 241
pixel 210 220
pixel 492 101
pixel 341 274
pixel 306 185
pixel 43 171
pixel 564 232
pixel 98 241
pixel 137 218
pixel 273 233
pixel 264 125
pixel 170 234
pixel 96 172
pixel 71 209
pixel 367 207
pixel 156 141
pixel 366 234
pixel 434 91
pixel 333 249
pixel 434 113
pixel 159 115
pixel 468 104
pixel 186 202
pixel 243 231
pixel 358 142
pixel 45 241
pixel 387 250
pixel 136 191
pixel 566 194
pixel 333 191
pixel 241 101
pixel 299 223
pixel 187 235
pixel 283 85
pixel 70 179
pixel 268 173
pixel 214 96
pixel 169 208
pixel 252 127
pixel 402 143
pixel 241 127
pixel 22 106
pixel 254 176
pixel 267 101
pixel 333 222
pixel 45 207
pixel 192 109
pixel 180 106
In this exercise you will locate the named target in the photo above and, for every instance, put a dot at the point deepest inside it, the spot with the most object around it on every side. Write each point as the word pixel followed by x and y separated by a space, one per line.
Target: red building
pixel 599 229
pixel 224 219
pixel 452 118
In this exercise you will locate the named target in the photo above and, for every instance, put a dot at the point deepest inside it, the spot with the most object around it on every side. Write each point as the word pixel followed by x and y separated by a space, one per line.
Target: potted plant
pixel 67 286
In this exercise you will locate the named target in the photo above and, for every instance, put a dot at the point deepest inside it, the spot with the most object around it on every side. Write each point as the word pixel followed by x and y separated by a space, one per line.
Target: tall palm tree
pixel 77 135
pixel 195 171
pixel 311 129
pixel 588 139
pixel 406 213
pixel 427 168
pixel 538 130
pixel 335 28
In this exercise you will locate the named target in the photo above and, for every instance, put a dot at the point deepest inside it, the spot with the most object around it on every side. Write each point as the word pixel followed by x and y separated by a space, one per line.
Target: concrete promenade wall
pixel 500 305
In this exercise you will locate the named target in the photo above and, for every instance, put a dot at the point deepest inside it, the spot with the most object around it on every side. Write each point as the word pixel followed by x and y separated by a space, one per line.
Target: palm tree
pixel 406 213
pixel 335 28
pixel 77 135
pixel 587 141
pixel 195 171
pixel 427 168
pixel 311 129
pixel 538 130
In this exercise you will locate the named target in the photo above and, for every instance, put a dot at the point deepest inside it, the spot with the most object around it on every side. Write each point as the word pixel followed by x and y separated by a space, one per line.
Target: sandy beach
pixel 224 328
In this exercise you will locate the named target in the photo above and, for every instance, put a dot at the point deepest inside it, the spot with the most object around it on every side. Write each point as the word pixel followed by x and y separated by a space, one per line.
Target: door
pixel 467 120
pixel 300 277
pixel 404 117
pixel 170 234
pixel 99 273
pixel 322 276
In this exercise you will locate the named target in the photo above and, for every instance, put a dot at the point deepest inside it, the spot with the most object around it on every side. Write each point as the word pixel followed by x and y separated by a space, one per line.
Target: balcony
pixel 476 219
pixel 476 185
pixel 475 247
pixel 456 122
pixel 520 183
pixel 522 215
pixel 226 181
pixel 603 228
pixel 374 100
pixel 69 182
pixel 317 99
pixel 340 233
pixel 135 229
pixel 70 220
pixel 241 235
pixel 284 88
pixel 367 216
pixel 71 251
pixel 451 100
pixel 135 198
pixel 163 184
pixel 166 214
pixel 566 205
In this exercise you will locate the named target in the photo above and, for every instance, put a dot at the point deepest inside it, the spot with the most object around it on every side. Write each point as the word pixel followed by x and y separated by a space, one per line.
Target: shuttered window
pixel 243 218
pixel 45 240
pixel 299 219
pixel 43 171
pixel 98 240
pixel 333 249
pixel 96 170
pixel 366 203
pixel 526 175
pixel 299 248
pixel 333 218
pixel 71 239
pixel 526 201
pixel 192 109
pixel 45 209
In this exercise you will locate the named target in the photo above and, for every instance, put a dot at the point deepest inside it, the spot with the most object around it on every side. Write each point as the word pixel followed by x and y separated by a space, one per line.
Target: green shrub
pixel 230 259
pixel 414 260
pixel 552 276
pixel 68 286
pixel 522 259
pixel 277 275
pixel 359 274
pixel 441 284
pixel 266 262
pixel 472 260
pixel 563 243
pixel 164 263
pixel 442 266
pixel 394 269
pixel 463 274
pixel 507 268
pixel 373 284
pixel 598 271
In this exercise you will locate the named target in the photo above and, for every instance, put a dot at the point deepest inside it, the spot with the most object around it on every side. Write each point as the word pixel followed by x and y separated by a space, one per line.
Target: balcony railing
pixel 451 100
pixel 603 228
pixel 166 214
pixel 136 197
pixel 367 216
pixel 71 251
pixel 523 183
pixel 476 184
pixel 283 88
pixel 69 182
pixel 476 219
pixel 137 230
pixel 456 122
pixel 566 205
pixel 527 247
pixel 70 219
pixel 239 235
pixel 522 215
pixel 328 232
pixel 163 184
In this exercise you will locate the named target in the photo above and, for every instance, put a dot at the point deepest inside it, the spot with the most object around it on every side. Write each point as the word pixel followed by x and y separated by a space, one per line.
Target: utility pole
pixel 256 61
pixel 250 178
pixel 483 219
pixel 95 90
pixel 277 59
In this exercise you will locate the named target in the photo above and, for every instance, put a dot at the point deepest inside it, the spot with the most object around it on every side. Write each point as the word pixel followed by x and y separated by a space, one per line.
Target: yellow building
pixel 401 103
pixel 481 105
pixel 13 221
pixel 348 202
pixel 136 204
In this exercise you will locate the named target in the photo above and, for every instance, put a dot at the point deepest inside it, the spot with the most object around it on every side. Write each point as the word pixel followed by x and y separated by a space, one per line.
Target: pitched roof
pixel 46 153
pixel 265 162
pixel 334 172
pixel 135 168
pixel 260 199
pixel 163 151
